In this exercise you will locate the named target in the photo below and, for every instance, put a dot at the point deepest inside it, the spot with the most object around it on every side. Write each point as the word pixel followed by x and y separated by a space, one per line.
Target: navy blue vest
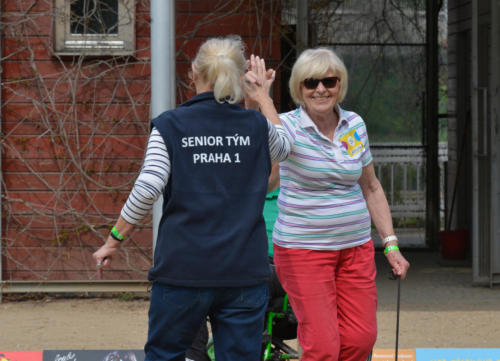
pixel 212 231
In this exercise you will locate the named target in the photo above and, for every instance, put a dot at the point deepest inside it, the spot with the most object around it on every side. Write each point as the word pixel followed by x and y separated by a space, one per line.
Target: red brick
pixel 185 94
pixel 99 221
pixel 142 6
pixel 142 27
pixel 98 114
pixel 64 91
pixel 106 127
pixel 97 146
pixel 77 202
pixel 19 49
pixel 183 7
pixel 195 6
pixel 117 117
pixel 213 24
pixel 67 182
pixel 48 260
pixel 19 23
pixel 48 69
pixel 77 236
pixel 187 49
pixel 59 165
pixel 143 17
pixel 143 48
pixel 35 6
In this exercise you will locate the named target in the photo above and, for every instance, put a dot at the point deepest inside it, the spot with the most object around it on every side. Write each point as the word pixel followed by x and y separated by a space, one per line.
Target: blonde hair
pixel 316 63
pixel 221 63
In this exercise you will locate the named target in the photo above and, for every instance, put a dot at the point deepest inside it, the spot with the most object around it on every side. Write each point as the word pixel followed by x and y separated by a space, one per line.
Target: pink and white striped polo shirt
pixel 321 205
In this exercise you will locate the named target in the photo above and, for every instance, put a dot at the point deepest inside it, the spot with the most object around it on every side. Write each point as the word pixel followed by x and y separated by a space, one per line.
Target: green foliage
pixel 126 296
pixel 386 88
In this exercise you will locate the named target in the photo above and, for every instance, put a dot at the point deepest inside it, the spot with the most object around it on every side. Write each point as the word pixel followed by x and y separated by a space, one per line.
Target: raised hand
pixel 257 82
pixel 256 85
pixel 261 76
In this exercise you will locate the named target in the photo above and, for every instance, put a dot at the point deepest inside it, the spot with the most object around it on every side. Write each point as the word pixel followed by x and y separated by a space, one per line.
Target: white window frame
pixel 122 43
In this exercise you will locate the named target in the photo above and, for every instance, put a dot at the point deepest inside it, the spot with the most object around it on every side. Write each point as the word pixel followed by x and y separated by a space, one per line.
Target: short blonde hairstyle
pixel 316 63
pixel 221 63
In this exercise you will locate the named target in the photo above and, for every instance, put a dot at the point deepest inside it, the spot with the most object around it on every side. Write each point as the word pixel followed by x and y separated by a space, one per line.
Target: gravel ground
pixel 439 308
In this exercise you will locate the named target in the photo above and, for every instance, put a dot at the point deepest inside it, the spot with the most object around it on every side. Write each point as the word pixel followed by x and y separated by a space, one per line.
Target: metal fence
pixel 400 167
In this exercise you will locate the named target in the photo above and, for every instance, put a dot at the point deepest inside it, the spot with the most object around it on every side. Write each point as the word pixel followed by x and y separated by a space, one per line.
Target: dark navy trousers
pixel 236 316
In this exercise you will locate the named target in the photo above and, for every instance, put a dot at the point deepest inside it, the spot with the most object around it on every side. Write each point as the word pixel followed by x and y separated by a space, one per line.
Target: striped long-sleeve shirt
pixel 155 172
pixel 321 205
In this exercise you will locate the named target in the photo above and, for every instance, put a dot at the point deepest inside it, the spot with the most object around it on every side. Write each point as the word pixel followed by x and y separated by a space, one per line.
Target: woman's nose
pixel 320 87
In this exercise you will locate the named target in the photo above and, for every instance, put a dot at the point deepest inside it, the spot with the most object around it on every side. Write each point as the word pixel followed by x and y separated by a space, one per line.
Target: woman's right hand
pixel 104 255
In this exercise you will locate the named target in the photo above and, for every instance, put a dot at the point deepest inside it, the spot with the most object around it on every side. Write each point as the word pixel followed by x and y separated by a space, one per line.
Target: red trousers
pixel 334 297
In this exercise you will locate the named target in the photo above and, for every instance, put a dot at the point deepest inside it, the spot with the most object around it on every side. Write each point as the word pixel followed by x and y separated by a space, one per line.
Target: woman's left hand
pixel 258 80
pixel 398 263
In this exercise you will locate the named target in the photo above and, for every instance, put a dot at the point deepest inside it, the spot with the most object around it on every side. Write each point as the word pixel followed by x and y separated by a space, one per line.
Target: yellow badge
pixel 352 142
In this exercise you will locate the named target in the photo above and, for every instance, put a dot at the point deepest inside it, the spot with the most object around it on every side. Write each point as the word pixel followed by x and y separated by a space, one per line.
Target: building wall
pixel 74 131
pixel 473 92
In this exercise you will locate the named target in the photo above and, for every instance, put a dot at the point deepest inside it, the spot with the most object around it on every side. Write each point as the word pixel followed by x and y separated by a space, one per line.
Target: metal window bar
pixel 399 168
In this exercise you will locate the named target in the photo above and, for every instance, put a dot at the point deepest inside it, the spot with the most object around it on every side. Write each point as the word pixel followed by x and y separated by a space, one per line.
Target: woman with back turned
pixel 210 158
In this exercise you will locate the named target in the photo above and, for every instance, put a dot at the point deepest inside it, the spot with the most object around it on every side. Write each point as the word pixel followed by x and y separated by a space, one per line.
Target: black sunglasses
pixel 330 82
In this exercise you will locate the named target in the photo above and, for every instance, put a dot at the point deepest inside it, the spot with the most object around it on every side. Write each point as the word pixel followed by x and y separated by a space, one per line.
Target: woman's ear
pixel 194 73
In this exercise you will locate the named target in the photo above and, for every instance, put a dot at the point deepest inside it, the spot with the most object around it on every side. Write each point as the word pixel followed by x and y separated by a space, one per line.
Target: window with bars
pixel 94 27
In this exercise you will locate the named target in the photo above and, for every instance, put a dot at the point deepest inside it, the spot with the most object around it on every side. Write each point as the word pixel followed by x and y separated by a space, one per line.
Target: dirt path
pixel 115 324
pixel 439 308
pixel 73 324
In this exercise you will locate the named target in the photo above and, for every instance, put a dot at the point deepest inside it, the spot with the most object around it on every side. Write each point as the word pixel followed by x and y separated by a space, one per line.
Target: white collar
pixel 307 122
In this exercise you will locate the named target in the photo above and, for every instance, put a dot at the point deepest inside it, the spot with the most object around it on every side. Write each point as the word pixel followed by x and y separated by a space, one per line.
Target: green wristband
pixel 116 235
pixel 390 249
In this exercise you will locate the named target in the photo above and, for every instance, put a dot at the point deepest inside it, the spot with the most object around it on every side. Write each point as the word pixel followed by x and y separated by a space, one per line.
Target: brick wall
pixel 74 131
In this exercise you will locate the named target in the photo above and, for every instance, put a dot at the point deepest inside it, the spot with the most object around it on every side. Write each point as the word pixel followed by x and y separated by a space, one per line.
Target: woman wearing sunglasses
pixel 323 250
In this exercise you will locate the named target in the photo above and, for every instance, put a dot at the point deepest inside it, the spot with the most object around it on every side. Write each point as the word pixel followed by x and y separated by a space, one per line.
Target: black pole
pixel 431 125
pixel 397 319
